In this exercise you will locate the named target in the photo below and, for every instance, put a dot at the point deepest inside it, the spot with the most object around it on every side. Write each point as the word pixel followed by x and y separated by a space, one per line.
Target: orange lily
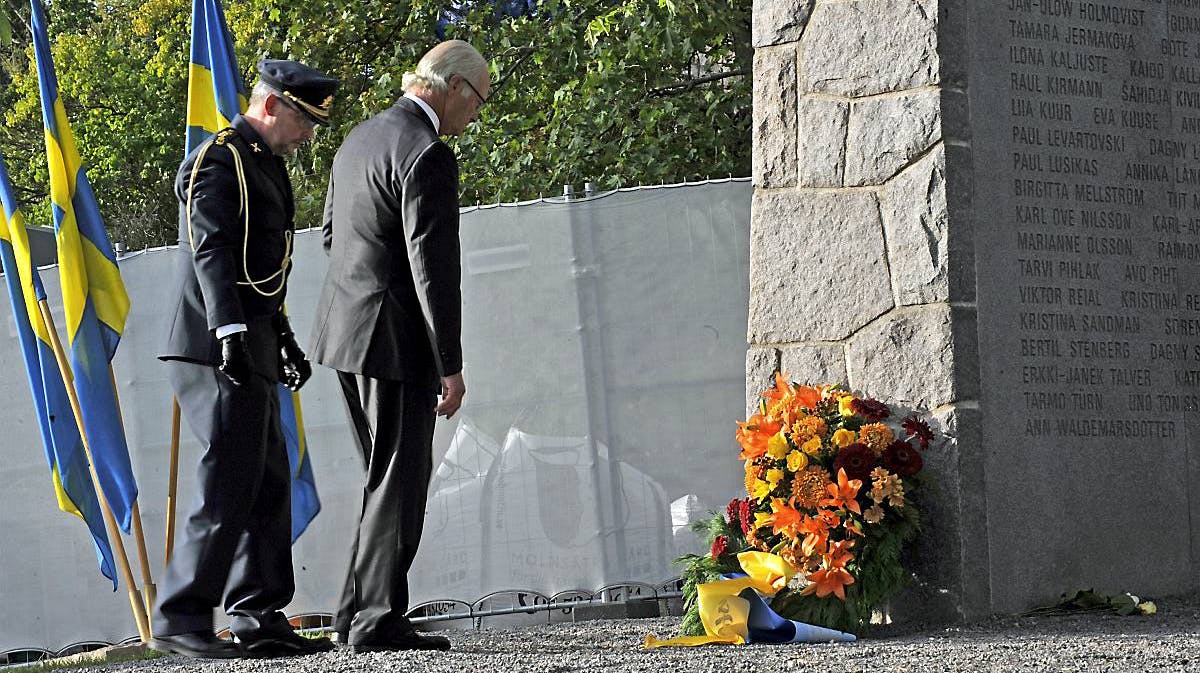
pixel 808 397
pixel 829 581
pixel 833 578
pixel 787 401
pixel 785 518
pixel 839 554
pixel 781 390
pixel 843 493
pixel 852 527
pixel 816 534
pixel 753 435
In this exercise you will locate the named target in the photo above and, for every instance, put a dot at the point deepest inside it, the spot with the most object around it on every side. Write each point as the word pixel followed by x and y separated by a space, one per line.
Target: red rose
pixel 744 516
pixel 872 410
pixel 719 546
pixel 900 457
pixel 857 460
pixel 919 429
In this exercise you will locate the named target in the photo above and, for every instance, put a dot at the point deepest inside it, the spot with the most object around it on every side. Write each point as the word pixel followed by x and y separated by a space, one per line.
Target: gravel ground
pixel 1168 641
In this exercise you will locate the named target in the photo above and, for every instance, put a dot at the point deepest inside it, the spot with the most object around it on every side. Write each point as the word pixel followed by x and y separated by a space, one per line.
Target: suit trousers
pixel 235 546
pixel 393 429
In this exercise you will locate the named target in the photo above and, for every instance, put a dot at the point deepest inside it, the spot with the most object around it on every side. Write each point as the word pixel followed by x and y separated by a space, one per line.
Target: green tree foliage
pixel 618 92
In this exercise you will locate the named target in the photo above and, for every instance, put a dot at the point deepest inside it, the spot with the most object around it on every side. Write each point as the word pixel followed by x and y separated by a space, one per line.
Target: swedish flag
pixel 216 94
pixel 94 297
pixel 60 436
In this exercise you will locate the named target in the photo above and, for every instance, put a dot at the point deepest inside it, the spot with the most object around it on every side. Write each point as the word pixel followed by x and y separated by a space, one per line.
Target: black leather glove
pixel 294 368
pixel 236 363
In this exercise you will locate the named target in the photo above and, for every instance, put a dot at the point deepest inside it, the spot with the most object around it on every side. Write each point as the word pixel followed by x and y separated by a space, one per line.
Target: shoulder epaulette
pixel 223 135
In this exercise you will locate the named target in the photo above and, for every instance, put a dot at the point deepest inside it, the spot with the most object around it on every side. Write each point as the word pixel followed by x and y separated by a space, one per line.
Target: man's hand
pixel 294 368
pixel 453 390
pixel 236 363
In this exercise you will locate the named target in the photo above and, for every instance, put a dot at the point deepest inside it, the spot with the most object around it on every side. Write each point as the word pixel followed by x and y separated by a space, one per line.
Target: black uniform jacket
pixel 391 305
pixel 219 253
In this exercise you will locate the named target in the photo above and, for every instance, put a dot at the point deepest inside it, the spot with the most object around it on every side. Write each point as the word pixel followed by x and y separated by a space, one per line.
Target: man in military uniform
pixel 229 346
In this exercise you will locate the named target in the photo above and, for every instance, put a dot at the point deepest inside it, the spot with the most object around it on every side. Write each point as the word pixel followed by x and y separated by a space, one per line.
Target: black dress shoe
pixel 407 641
pixel 197 645
pixel 287 644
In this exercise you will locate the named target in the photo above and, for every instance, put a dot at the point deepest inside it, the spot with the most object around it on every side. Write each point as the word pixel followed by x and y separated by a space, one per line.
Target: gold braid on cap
pixel 318 112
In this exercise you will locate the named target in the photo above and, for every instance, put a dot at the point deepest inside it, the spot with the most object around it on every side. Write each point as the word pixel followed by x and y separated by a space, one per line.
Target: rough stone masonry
pixel 991 209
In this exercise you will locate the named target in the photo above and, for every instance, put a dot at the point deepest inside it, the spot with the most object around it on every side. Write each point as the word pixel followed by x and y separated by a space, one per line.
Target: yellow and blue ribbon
pixel 734 613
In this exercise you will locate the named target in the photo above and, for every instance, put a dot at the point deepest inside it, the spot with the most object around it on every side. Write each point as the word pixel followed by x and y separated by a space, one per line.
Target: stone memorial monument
pixel 991 209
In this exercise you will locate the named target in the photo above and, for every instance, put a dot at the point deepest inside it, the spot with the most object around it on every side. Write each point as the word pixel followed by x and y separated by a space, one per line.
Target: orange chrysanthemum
pixel 806 428
pixel 876 436
pixel 808 486
pixel 754 472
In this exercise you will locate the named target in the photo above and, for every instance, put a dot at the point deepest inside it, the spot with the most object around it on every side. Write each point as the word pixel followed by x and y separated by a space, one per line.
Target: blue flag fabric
pixel 94 297
pixel 216 94
pixel 63 446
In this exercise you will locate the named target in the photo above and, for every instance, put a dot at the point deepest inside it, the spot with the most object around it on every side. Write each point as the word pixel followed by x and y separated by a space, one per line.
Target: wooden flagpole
pixel 173 480
pixel 149 591
pixel 114 533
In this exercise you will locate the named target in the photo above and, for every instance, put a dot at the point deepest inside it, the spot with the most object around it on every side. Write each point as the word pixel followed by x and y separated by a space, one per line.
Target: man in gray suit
pixel 388 321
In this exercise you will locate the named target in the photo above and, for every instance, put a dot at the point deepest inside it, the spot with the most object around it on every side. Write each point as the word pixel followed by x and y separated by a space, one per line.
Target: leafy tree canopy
pixel 618 92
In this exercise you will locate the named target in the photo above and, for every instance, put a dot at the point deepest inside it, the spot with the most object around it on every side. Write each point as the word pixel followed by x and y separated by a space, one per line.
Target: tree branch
pixel 525 53
pixel 690 84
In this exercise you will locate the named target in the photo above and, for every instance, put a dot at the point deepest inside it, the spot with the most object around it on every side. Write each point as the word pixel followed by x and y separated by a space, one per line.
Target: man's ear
pixel 271 105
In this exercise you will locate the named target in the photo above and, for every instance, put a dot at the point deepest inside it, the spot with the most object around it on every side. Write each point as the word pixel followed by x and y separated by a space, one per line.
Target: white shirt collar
pixel 437 123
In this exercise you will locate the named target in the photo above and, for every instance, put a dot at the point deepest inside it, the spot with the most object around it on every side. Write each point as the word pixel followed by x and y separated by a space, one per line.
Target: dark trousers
pixel 235 546
pixel 393 429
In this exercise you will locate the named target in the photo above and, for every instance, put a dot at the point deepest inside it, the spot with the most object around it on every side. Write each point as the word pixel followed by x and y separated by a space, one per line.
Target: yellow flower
pixel 777 446
pixel 1147 607
pixel 844 403
pixel 812 447
pixel 763 519
pixel 843 438
pixel 761 490
pixel 774 476
pixel 796 461
pixel 874 514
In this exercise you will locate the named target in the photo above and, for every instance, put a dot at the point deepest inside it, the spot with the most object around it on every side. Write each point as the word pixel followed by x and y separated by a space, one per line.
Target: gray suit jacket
pixel 391 305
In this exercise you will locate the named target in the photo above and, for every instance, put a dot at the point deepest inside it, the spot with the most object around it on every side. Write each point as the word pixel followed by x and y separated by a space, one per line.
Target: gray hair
pixel 438 64
pixel 260 92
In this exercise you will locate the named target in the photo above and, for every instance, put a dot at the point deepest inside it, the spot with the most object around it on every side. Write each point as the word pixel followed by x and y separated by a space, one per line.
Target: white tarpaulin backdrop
pixel 604 348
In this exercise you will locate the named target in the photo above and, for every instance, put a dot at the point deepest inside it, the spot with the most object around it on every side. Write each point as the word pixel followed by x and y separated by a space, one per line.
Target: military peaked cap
pixel 309 90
